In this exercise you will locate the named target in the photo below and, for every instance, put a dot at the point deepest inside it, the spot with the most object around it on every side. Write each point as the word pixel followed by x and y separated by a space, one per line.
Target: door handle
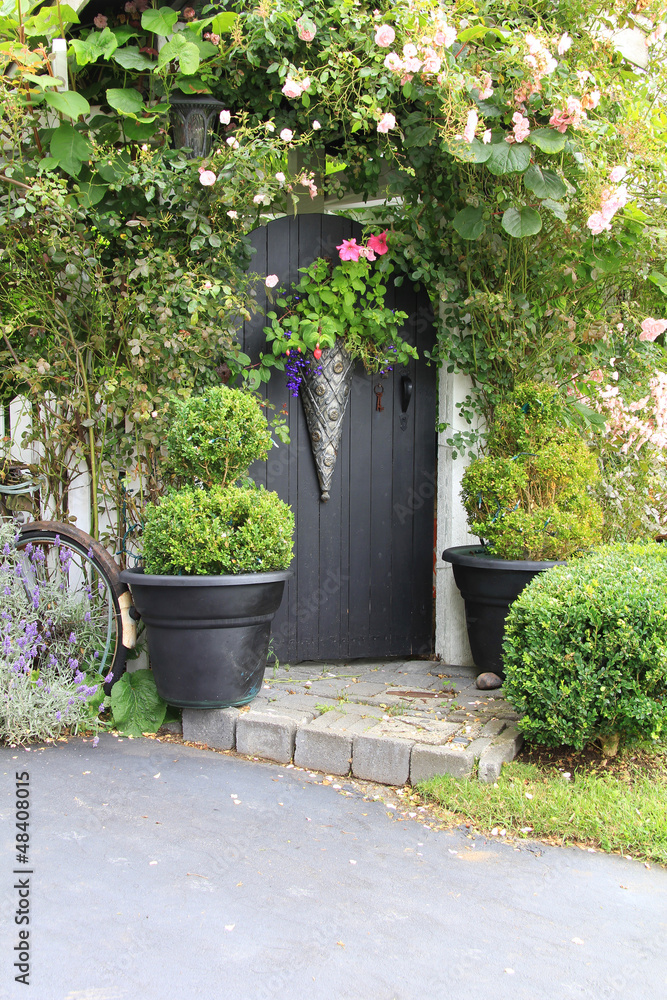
pixel 406 392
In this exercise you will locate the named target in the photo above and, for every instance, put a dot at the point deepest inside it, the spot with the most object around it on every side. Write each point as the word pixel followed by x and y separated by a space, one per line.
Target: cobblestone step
pixel 356 724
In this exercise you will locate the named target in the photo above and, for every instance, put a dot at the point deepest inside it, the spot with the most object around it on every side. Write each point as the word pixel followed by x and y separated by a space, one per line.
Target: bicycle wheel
pixel 63 555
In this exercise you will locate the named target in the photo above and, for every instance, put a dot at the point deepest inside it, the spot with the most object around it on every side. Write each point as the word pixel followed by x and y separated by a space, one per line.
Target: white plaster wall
pixel 451 638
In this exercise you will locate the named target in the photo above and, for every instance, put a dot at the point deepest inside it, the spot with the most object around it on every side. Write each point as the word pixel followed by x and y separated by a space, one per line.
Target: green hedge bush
pixel 212 532
pixel 585 649
pixel 215 437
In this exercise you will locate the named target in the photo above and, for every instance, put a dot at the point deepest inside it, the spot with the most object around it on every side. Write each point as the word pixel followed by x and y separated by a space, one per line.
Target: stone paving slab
pixel 344 717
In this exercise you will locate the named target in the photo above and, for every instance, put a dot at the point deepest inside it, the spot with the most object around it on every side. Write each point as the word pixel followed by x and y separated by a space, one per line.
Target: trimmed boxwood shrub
pixel 217 531
pixel 530 496
pixel 217 436
pixel 585 649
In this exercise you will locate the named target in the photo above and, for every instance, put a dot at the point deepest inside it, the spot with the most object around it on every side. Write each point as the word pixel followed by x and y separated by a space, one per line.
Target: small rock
pixel 488 681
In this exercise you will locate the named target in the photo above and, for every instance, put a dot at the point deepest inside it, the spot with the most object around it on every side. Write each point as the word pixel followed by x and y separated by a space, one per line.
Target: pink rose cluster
pixel 652 328
pixel 612 200
pixel 572 114
pixel 423 60
pixel 520 128
pixel 376 246
pixel 295 88
pixel 625 422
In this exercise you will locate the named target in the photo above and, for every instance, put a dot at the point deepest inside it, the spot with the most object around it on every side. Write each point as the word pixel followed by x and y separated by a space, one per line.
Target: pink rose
pixel 445 37
pixel 378 244
pixel 486 138
pixel 386 122
pixel 225 117
pixel 271 280
pixel 306 29
pixel 617 174
pixel 652 328
pixel 393 62
pixel 471 125
pixel 564 43
pixel 291 88
pixel 349 250
pixel 207 178
pixel 287 135
pixel 384 36
pixel 597 223
pixel 100 21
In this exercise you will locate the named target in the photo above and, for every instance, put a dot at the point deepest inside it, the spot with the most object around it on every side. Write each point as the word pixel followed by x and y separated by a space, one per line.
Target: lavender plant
pixel 49 663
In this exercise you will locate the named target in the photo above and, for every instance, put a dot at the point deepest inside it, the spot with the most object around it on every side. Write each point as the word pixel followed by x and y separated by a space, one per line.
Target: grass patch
pixel 624 811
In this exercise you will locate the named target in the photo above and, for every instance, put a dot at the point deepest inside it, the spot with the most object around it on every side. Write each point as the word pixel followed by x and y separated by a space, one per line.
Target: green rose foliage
pixel 531 496
pixel 585 649
pixel 217 436
pixel 199 532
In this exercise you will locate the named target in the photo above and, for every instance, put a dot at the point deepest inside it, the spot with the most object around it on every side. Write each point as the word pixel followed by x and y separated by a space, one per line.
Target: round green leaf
pixel 469 223
pixel 70 148
pixel 68 103
pixel 508 158
pixel 544 183
pixel 160 22
pixel 521 222
pixel 548 140
pixel 126 102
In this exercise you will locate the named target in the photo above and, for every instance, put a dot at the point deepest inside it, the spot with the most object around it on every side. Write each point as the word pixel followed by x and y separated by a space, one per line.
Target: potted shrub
pixel 529 498
pixel 215 556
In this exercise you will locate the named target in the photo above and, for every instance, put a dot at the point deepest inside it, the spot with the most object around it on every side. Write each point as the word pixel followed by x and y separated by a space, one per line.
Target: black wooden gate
pixel 363 566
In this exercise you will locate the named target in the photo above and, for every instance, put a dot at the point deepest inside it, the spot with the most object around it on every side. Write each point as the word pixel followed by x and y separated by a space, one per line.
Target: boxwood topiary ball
pixel 215 437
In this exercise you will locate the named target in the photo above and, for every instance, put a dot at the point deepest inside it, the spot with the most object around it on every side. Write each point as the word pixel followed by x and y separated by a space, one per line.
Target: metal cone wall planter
pixel 325 390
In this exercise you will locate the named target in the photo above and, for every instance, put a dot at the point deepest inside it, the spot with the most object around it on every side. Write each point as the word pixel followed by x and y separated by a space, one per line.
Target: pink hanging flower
pixel 652 328
pixel 349 250
pixel 384 36
pixel 100 21
pixel 378 244
pixel 189 13
pixel 207 178
pixel 386 122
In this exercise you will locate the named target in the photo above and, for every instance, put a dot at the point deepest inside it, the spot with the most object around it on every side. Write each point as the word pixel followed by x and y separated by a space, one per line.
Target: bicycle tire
pixel 121 630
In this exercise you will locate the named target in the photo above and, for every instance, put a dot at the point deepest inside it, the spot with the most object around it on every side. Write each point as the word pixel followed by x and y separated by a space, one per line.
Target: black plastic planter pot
pixel 488 586
pixel 208 636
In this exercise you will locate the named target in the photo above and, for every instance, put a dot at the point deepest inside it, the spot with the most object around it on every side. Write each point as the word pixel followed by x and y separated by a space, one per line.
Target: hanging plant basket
pixel 325 390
